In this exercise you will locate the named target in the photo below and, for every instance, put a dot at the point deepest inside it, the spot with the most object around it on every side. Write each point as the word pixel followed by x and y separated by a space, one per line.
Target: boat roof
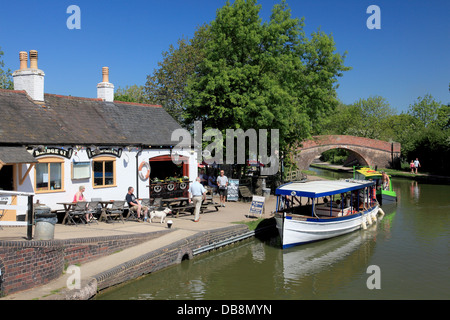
pixel 368 172
pixel 321 188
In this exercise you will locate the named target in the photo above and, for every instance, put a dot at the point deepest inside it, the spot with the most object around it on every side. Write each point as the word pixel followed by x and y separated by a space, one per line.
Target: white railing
pixel 28 208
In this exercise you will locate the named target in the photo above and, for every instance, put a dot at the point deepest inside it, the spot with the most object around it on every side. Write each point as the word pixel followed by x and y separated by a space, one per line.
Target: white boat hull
pixel 297 231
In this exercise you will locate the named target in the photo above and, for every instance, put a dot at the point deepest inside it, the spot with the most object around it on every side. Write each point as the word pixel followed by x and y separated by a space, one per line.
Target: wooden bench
pixel 207 205
pixel 188 209
pixel 245 192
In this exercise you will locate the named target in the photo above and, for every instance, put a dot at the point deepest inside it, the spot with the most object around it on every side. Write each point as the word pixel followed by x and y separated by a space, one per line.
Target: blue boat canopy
pixel 322 188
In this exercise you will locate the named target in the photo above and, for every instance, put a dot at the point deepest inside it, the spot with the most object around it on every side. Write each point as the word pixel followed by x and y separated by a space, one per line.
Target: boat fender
pixel 381 212
pixel 363 225
pixel 374 217
pixel 369 219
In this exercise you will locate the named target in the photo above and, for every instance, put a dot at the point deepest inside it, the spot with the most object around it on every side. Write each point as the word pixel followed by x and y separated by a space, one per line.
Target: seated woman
pixel 79 196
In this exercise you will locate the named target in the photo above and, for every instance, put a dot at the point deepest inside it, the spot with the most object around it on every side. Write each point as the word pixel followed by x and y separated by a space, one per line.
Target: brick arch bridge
pixel 367 151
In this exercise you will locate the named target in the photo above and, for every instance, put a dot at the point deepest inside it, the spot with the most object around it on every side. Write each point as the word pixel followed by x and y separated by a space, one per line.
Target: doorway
pixel 7 178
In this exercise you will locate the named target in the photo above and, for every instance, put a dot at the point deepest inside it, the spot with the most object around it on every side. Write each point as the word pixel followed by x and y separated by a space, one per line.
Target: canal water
pixel 403 256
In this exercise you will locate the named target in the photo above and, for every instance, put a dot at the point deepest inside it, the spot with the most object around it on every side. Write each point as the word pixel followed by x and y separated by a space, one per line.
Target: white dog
pixel 160 214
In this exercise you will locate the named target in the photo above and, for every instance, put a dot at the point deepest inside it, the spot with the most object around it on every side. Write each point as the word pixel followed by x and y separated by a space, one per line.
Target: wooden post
pixel 30 218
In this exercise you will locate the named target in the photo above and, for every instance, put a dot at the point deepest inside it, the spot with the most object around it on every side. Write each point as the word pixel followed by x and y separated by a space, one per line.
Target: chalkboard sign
pixel 233 190
pixel 257 206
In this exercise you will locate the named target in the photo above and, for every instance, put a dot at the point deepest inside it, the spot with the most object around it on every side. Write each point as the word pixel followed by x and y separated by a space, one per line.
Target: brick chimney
pixel 105 89
pixel 29 79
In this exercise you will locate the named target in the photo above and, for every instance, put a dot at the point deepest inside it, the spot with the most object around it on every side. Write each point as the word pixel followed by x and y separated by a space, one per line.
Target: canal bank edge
pixel 179 245
pixel 421 177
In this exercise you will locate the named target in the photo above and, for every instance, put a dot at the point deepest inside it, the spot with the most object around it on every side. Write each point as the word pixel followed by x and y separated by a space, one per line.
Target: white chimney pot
pixel 29 79
pixel 105 89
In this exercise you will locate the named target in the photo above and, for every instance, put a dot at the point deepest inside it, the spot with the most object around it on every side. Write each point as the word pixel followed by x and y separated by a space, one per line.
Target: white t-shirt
pixel 222 181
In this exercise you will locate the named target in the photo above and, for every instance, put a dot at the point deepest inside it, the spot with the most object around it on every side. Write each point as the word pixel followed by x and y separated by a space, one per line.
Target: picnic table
pixel 109 209
pixel 181 204
pixel 67 207
pixel 177 205
pixel 112 209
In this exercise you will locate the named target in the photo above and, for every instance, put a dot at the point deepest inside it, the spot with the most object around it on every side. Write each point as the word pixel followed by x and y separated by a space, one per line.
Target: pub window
pixel 104 172
pixel 49 175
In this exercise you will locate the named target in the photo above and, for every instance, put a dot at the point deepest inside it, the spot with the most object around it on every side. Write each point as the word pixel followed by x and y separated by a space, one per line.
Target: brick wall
pixel 27 264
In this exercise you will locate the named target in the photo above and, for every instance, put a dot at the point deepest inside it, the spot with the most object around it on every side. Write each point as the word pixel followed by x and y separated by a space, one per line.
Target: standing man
pixel 416 164
pixel 222 182
pixel 198 193
pixel 134 205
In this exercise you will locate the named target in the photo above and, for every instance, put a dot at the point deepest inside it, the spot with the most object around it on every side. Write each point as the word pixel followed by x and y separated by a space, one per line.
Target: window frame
pixel 104 159
pixel 49 161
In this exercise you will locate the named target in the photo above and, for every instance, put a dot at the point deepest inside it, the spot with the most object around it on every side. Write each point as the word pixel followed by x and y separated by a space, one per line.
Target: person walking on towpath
pixel 198 193
pixel 416 164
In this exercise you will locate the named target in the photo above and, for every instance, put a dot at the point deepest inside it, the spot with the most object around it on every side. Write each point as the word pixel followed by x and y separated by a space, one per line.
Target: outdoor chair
pixel 116 211
pixel 145 202
pixel 2 211
pixel 78 211
pixel 157 204
pixel 132 214
pixel 94 209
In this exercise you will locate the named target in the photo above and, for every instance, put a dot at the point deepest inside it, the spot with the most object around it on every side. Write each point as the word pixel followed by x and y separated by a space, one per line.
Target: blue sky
pixel 407 58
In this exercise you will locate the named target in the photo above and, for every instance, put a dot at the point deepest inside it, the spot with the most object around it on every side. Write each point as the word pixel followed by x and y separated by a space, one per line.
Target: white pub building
pixel 50 145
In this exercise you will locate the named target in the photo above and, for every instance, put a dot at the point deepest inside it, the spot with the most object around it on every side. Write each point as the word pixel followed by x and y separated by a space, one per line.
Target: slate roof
pixel 65 120
pixel 15 155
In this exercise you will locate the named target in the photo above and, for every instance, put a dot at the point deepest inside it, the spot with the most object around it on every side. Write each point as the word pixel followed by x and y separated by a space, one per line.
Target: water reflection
pixel 414 192
pixel 313 258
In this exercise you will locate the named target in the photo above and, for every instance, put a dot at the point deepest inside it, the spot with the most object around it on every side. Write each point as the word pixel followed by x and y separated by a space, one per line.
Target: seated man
pixel 134 204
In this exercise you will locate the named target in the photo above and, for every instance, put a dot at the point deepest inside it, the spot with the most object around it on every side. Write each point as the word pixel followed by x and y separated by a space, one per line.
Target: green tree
pixel 342 120
pixel 133 93
pixel 424 132
pixel 372 114
pixel 5 75
pixel 425 110
pixel 167 85
pixel 263 75
pixel 365 118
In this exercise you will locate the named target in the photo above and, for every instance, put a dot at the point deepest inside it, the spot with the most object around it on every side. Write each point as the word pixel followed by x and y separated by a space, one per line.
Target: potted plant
pixel 156 180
